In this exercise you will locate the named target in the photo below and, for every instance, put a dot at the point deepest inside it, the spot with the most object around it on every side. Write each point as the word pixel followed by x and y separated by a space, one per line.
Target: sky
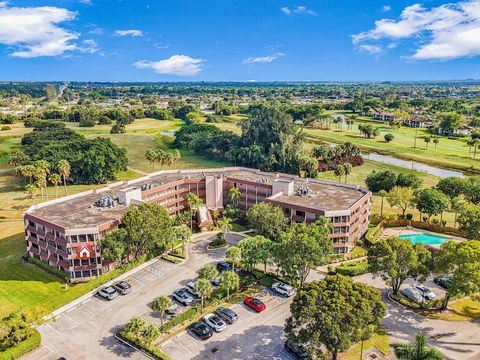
pixel 239 40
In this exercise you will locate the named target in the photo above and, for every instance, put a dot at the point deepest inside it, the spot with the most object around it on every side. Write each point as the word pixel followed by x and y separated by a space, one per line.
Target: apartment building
pixel 64 232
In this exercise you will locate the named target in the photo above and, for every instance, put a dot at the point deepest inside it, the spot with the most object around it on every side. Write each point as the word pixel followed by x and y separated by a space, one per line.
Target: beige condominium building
pixel 64 232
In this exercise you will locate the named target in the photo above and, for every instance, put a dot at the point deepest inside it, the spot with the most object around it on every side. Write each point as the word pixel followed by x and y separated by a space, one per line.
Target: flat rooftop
pixel 78 211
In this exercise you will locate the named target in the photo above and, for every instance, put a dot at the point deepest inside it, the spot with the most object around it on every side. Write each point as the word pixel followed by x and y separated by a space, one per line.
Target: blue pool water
pixel 425 239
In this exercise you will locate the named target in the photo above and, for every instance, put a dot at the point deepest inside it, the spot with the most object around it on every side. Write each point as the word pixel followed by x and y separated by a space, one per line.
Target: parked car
pixel 215 322
pixel 123 287
pixel 172 310
pixel 216 282
pixel 227 314
pixel 201 330
pixel 254 304
pixel 283 289
pixel 224 266
pixel 183 297
pixel 425 291
pixel 108 293
pixel 298 350
pixel 412 294
pixel 191 289
pixel 444 282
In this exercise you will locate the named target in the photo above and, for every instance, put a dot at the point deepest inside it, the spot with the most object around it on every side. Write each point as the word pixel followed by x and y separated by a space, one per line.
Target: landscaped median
pixel 148 338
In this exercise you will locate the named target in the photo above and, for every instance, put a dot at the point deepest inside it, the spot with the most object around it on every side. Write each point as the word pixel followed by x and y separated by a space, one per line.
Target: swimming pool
pixel 428 239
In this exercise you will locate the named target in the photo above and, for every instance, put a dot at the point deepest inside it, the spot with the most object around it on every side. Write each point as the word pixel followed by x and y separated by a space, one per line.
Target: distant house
pixel 382 116
pixel 418 122
pixel 462 131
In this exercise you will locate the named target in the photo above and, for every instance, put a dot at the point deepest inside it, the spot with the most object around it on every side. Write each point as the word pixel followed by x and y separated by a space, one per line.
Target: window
pixel 300 213
pixel 78 274
pixel 86 273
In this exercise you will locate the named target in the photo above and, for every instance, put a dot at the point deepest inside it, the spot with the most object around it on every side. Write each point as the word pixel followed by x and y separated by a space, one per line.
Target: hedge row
pixel 48 268
pixel 425 226
pixel 22 348
pixel 151 350
pixel 374 233
pixel 352 269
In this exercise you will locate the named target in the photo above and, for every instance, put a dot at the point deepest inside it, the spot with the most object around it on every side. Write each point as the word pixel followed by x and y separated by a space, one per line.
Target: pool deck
pixel 396 231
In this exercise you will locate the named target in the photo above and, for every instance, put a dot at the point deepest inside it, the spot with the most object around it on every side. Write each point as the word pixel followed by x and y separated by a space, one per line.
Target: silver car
pixel 413 294
pixel 215 322
pixel 183 297
pixel 108 293
pixel 172 310
pixel 425 291
pixel 283 289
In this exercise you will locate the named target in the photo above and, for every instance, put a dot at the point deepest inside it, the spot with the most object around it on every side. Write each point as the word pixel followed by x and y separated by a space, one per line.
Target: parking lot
pixel 252 336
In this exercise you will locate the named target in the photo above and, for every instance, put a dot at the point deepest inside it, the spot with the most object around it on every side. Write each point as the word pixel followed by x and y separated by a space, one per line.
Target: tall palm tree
pixel 347 168
pixel 160 157
pixel 417 351
pixel 226 225
pixel 427 141
pixel 194 202
pixel 234 194
pixel 42 183
pixel 56 180
pixel 64 169
pixel 151 157
pixel 31 191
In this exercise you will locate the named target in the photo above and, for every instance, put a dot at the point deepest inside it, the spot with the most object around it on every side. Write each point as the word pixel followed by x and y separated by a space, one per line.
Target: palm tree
pixel 203 288
pixel 347 167
pixel 176 155
pixel 64 168
pixel 194 202
pixel 229 282
pixel 417 351
pixel 226 225
pixel 151 157
pixel 475 143
pixel 382 194
pixel 160 157
pixel 31 191
pixel 27 171
pixel 457 205
pixel 427 141
pixel 55 179
pixel 436 141
pixel 234 254
pixel 339 171
pixel 161 304
pixel 234 194
pixel 42 183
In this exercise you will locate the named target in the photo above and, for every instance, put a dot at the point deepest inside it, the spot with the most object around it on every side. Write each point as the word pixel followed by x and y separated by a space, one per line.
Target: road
pixel 86 330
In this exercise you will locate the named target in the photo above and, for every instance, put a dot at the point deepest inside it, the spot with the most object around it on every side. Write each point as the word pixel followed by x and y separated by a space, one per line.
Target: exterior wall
pixel 59 247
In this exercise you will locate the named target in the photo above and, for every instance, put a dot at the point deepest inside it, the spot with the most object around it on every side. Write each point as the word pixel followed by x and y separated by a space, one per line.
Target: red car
pixel 254 304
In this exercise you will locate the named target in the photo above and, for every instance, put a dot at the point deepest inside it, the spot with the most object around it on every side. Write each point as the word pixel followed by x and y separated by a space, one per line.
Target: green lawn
pixel 379 340
pixel 449 153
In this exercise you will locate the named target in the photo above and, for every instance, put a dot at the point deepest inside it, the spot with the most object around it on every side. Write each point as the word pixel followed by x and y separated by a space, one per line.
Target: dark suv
pixel 224 266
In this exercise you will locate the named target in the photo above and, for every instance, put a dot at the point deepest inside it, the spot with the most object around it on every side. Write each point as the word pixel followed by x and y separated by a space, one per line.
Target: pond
pixel 413 165
pixel 168 133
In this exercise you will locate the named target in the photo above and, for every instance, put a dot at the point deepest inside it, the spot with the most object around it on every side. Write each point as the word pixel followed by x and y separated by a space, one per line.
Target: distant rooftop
pixel 78 211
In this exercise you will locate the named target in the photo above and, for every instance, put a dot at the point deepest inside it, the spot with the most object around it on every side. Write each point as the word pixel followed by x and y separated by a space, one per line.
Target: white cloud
pixel 180 65
pixel 132 32
pixel 298 10
pixel 450 31
pixel 89 46
pixel 34 31
pixel 86 2
pixel 96 31
pixel 371 49
pixel 3 4
pixel 386 8
pixel 263 59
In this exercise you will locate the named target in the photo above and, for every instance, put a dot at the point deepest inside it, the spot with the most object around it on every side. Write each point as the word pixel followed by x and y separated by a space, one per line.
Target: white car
pixel 215 322
pixel 191 288
pixel 425 291
pixel 183 297
pixel 283 289
pixel 172 310
pixel 412 294
pixel 108 293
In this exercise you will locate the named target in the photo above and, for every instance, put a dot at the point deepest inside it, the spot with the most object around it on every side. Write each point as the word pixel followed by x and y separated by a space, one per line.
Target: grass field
pixel 467 309
pixel 379 340
pixel 452 154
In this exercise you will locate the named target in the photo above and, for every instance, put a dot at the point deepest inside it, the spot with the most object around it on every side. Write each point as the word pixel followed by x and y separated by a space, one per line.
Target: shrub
pixel 409 216
pixel 354 160
pixel 22 348
pixel 153 351
pixel 5 128
pixel 357 252
pixel 389 137
pixel 218 242
pixel 172 259
pixel 353 268
pixel 46 267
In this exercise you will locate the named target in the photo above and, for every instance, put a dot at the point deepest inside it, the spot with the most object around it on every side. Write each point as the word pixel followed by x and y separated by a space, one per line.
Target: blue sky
pixel 223 40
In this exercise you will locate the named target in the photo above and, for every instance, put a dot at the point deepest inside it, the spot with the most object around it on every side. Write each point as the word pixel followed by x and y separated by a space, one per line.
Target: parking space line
pixel 69 318
pixel 88 311
pixel 51 327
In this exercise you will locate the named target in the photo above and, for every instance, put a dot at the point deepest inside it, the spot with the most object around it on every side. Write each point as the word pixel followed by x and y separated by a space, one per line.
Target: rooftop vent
pixel 262 180
pixel 146 187
pixel 106 202
pixel 303 190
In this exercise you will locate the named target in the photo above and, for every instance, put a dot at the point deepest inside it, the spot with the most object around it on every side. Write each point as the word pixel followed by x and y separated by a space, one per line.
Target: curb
pixel 133 347
pixel 396 302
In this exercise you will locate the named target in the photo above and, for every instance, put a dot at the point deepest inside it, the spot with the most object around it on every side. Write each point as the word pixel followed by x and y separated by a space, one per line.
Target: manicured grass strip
pixel 378 340
pixel 22 348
